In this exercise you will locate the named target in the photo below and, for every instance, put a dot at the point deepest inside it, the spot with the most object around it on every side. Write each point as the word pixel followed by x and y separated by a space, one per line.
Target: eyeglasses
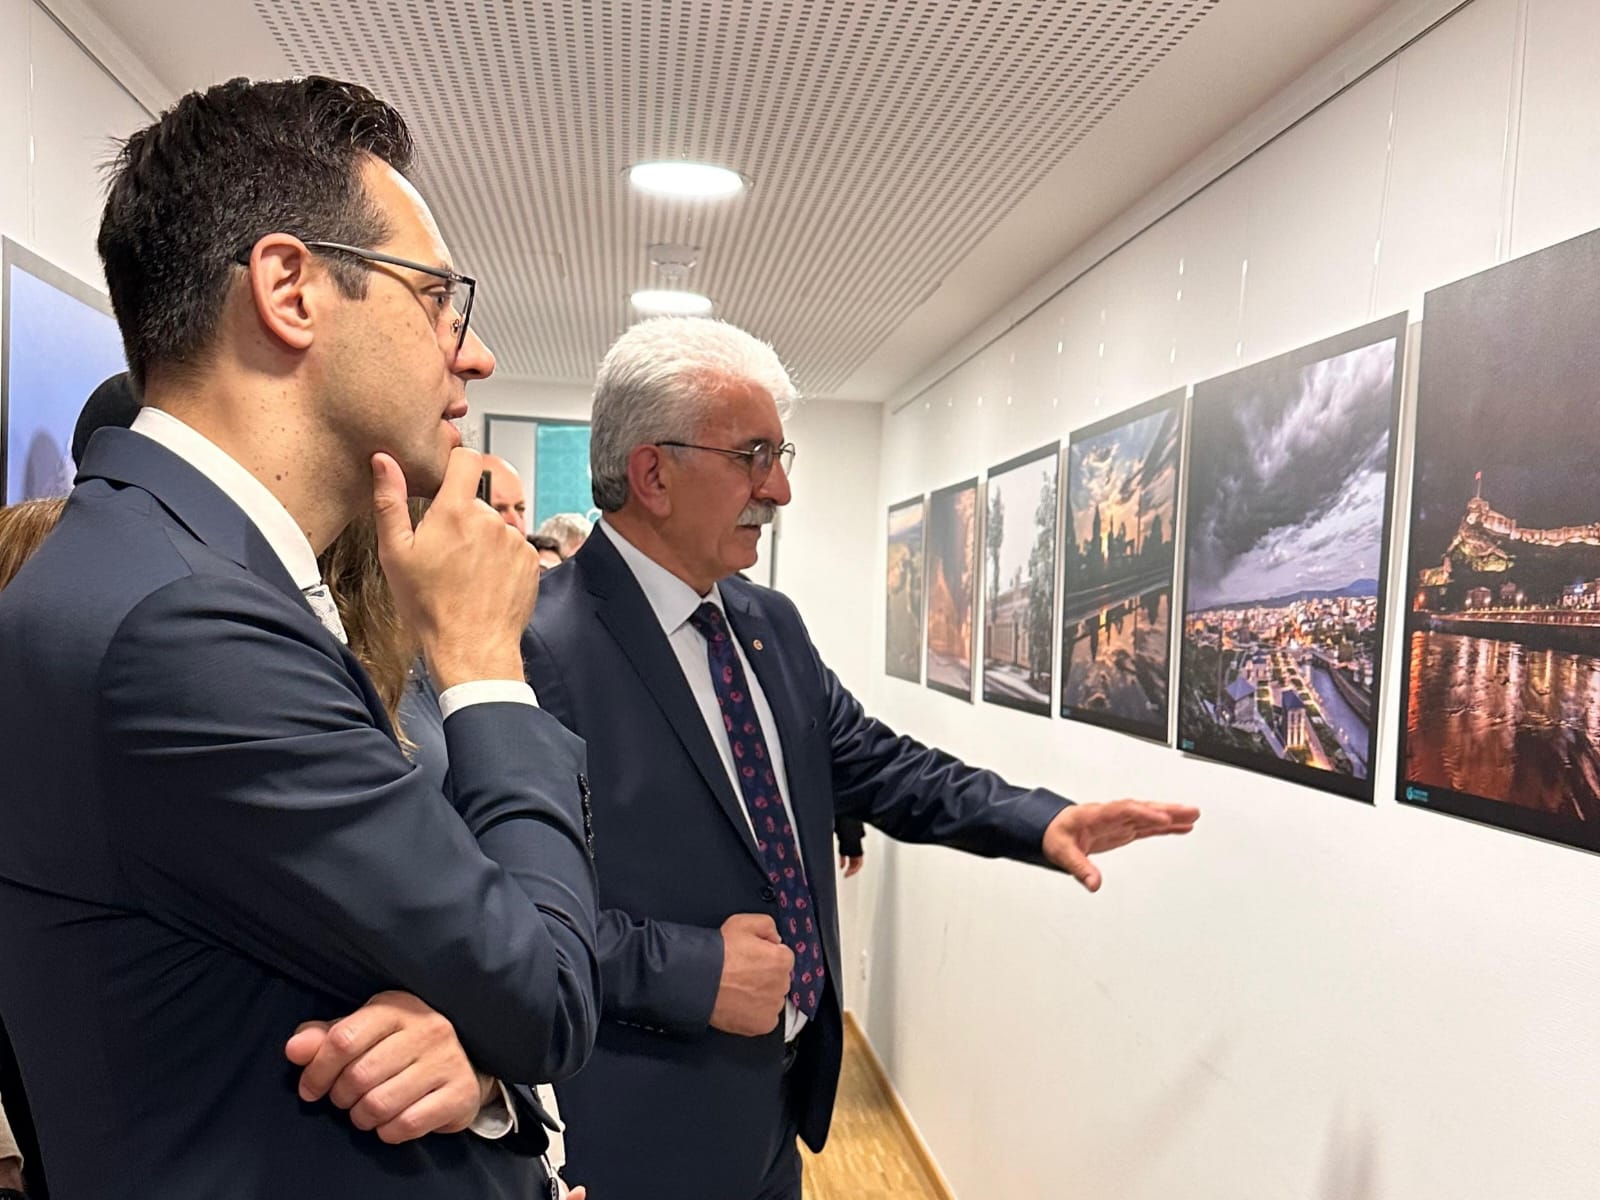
pixel 759 458
pixel 460 314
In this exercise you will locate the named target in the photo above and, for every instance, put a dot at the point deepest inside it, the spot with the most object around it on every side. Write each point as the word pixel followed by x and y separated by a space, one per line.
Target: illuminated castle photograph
pixel 1502 681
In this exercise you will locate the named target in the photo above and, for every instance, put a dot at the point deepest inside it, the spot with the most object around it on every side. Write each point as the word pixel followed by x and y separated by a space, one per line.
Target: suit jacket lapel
pixel 210 514
pixel 122 456
pixel 627 615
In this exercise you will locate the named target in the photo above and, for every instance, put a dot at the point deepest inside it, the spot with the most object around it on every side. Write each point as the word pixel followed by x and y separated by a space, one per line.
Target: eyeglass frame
pixel 777 453
pixel 463 315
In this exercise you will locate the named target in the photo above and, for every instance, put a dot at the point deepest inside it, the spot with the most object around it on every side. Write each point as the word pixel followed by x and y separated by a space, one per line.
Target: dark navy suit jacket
pixel 209 835
pixel 667 1107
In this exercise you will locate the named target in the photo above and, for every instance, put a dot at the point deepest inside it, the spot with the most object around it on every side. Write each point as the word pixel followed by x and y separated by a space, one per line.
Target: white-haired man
pixel 722 749
pixel 570 531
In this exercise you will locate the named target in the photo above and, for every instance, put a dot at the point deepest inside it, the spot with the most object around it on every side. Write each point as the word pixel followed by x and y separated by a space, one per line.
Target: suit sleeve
pixel 919 793
pixel 659 975
pixel 260 808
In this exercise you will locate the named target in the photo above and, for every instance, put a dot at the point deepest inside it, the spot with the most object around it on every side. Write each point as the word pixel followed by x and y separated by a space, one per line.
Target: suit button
pixel 768 894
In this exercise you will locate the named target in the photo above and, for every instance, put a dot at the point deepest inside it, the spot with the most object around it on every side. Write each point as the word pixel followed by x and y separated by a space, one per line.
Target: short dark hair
pixel 539 542
pixel 220 170
pixel 112 405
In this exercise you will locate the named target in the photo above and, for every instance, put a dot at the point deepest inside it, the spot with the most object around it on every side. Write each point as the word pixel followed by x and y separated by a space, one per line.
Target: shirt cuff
pixel 499 1116
pixel 485 691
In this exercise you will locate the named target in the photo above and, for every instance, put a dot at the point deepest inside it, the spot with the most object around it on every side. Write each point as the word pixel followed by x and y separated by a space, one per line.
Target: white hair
pixel 566 527
pixel 654 384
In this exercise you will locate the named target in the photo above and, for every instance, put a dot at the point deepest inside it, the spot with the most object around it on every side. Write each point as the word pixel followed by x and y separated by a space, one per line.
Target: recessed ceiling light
pixel 660 302
pixel 689 180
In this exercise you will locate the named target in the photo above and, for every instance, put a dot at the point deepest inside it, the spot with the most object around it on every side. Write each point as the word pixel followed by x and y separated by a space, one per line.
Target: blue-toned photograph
pixel 60 341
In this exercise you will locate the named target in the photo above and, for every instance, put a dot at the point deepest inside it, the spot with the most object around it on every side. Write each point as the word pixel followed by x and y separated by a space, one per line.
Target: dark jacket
pixel 209 835
pixel 667 1107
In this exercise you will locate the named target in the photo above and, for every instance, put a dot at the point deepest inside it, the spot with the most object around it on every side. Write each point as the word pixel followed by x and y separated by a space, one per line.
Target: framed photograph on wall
pixel 58 343
pixel 903 590
pixel 952 576
pixel 1019 573
pixel 1286 542
pixel 1118 564
pixel 1501 723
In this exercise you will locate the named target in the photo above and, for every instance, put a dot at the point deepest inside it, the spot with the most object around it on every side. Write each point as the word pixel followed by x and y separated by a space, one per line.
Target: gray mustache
pixel 759 513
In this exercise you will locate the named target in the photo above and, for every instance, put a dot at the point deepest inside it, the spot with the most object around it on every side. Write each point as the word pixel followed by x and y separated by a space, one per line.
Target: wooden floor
pixel 870 1154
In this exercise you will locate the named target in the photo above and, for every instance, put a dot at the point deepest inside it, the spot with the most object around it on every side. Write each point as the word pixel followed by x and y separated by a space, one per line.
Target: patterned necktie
pixel 325 610
pixel 775 837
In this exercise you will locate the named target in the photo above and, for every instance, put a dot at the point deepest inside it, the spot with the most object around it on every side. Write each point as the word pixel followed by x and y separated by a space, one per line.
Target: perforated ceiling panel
pixel 883 141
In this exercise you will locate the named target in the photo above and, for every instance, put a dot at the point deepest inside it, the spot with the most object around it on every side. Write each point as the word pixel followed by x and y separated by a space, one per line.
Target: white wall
pixel 59 114
pixel 1308 997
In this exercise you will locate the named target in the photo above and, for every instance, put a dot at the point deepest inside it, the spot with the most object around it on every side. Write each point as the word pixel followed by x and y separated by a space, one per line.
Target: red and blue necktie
pixel 758 783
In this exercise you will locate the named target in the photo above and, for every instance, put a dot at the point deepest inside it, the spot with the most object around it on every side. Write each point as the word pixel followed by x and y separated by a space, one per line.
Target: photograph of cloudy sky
pixel 1287 536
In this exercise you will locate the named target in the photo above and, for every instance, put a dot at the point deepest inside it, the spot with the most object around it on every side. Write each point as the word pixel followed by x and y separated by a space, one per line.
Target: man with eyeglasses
pixel 723 750
pixel 280 961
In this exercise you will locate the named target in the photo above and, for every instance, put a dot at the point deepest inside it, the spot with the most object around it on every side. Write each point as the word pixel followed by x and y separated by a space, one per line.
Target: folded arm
pixel 262 809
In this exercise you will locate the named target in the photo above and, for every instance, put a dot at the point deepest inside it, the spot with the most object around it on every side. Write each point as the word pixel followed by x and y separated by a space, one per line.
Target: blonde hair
pixel 383 642
pixel 23 528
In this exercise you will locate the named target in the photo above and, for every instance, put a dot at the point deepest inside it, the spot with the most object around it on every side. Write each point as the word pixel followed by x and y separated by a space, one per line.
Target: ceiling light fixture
pixel 660 302
pixel 686 180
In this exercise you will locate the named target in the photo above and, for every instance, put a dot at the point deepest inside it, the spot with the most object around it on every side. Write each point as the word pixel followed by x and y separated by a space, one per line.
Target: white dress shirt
pixel 673 601
pixel 288 541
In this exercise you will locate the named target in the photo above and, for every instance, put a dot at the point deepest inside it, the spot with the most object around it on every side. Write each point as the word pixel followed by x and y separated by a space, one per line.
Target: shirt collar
pixel 671 599
pixel 264 509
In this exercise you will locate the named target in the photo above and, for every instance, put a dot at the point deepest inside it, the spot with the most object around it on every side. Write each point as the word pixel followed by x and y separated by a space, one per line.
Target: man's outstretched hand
pixel 1084 829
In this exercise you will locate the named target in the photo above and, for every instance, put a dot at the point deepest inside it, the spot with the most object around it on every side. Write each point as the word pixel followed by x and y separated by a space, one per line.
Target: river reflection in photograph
pixel 1118 563
pixel 1502 687
pixel 1507 722
pixel 1116 662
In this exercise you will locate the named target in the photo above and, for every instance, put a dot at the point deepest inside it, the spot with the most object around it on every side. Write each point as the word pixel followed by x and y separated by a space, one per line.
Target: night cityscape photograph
pixel 1502 686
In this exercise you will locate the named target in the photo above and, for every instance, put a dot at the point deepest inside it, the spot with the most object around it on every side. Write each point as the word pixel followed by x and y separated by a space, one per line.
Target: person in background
pixel 172 671
pixel 570 531
pixel 723 750
pixel 549 550
pixel 852 834
pixel 507 496
pixel 23 527
pixel 112 405
pixel 11 1184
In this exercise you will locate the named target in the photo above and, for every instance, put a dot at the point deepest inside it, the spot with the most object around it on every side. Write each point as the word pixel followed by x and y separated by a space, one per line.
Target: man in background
pixel 549 551
pixel 723 750
pixel 506 493
pixel 570 531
